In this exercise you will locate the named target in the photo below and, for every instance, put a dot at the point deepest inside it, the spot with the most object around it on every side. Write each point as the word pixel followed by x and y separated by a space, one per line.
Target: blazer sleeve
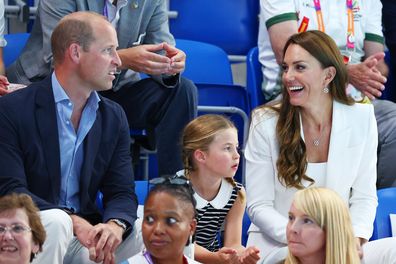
pixel 260 153
pixel 13 178
pixel 363 200
pixel 118 186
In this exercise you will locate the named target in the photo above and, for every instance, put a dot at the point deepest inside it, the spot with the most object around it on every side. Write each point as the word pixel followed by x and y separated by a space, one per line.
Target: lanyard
pixel 105 10
pixel 350 31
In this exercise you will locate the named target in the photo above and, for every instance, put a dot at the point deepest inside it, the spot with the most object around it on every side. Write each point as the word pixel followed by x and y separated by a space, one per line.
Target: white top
pixel 367 18
pixel 350 171
pixel 140 259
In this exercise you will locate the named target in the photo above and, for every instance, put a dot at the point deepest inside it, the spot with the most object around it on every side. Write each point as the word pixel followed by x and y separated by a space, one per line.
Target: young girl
pixel 168 224
pixel 211 159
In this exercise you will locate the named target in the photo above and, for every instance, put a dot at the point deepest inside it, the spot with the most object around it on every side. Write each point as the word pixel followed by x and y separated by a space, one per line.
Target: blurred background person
pixel 21 231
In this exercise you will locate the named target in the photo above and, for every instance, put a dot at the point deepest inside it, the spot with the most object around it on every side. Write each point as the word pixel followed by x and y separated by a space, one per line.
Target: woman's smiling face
pixel 303 77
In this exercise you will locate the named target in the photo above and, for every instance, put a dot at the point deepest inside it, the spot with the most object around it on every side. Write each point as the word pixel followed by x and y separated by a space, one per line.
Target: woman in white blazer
pixel 317 136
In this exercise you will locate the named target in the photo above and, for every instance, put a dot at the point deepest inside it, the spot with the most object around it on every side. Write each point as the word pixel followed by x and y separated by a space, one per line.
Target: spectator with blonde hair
pixel 22 234
pixel 320 219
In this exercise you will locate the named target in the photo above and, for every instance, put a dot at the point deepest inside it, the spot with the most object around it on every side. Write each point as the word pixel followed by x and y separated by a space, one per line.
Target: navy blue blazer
pixel 30 159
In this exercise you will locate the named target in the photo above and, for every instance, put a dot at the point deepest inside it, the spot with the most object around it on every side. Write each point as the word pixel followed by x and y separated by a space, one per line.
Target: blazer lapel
pixel 91 146
pixel 339 138
pixel 127 30
pixel 48 131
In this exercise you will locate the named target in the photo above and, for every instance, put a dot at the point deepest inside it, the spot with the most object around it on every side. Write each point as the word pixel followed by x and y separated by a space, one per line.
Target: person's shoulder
pixel 357 109
pixel 23 96
pixel 110 106
pixel 264 117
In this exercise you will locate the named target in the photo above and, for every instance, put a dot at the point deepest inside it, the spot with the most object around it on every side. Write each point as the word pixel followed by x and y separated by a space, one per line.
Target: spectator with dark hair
pixel 21 231
pixel 62 143
pixel 168 223
pixel 314 136
pixel 356 28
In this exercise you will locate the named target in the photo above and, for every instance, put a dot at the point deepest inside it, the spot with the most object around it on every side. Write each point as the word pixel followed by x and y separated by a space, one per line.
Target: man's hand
pixel 144 59
pixel 81 228
pixel 3 85
pixel 366 77
pixel 177 57
pixel 108 237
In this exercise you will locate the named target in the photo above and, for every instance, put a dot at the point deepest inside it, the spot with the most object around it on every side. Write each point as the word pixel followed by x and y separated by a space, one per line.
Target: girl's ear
pixel 199 156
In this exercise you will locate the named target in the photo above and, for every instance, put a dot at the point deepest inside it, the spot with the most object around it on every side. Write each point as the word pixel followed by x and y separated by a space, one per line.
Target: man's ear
pixel 74 52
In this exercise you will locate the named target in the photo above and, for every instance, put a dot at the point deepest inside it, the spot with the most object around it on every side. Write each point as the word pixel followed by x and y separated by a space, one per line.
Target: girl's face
pixel 305 238
pixel 16 243
pixel 167 225
pixel 222 156
pixel 304 77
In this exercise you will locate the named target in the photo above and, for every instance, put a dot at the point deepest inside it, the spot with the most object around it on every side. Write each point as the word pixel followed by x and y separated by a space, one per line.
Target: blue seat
pixel 229 24
pixel 386 206
pixel 254 78
pixel 209 68
pixel 141 190
pixel 245 227
pixel 15 43
pixel 205 63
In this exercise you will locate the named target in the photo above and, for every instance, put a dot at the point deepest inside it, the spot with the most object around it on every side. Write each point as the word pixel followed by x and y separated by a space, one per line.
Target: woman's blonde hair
pixel 199 134
pixel 331 213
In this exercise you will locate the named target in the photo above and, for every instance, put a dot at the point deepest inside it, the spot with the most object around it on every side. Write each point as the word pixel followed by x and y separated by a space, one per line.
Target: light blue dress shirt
pixel 71 143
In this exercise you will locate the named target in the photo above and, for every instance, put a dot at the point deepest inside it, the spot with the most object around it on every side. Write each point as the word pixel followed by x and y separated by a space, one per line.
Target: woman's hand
pixel 227 255
pixel 359 243
pixel 249 256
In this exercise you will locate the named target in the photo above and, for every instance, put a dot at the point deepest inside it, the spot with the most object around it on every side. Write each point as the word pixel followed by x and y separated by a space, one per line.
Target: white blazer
pixel 351 171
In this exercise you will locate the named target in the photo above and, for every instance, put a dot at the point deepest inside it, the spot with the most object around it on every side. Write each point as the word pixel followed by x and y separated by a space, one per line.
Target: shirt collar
pixel 221 198
pixel 60 94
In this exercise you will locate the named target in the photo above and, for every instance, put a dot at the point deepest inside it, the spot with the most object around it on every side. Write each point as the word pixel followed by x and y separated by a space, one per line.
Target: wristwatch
pixel 120 223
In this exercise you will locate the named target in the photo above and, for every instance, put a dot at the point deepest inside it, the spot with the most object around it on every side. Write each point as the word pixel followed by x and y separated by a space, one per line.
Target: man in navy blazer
pixel 162 104
pixel 61 143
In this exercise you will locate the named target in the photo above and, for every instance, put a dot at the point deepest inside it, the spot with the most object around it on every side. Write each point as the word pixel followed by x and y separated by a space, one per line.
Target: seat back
pixel 254 78
pixel 386 206
pixel 15 44
pixel 141 190
pixel 205 63
pixel 231 25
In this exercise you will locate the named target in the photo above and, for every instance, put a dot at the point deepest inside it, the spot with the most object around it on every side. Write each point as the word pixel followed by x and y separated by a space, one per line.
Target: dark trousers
pixel 162 111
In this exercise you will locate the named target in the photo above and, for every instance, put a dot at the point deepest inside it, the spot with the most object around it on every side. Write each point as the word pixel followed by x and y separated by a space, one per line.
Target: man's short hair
pixel 73 28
